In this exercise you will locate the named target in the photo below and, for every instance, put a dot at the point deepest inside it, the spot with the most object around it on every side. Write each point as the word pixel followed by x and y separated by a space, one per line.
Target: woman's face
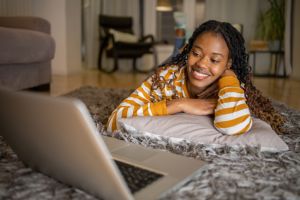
pixel 207 60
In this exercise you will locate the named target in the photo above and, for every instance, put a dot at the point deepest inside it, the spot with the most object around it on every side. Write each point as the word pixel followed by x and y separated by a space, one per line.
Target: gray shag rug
pixel 231 172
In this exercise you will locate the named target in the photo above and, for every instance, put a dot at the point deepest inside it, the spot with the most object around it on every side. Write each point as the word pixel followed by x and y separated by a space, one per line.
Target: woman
pixel 210 76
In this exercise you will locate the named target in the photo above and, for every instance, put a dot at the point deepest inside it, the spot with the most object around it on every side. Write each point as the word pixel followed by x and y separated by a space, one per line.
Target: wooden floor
pixel 282 89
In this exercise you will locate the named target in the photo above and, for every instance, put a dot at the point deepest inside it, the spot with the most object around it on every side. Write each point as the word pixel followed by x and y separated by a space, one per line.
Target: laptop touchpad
pixel 134 152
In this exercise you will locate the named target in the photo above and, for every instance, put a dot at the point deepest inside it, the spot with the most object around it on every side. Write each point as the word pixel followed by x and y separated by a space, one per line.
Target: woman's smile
pixel 200 73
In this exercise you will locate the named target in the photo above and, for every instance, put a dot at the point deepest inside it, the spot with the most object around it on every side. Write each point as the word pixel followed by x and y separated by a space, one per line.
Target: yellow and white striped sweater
pixel 232 115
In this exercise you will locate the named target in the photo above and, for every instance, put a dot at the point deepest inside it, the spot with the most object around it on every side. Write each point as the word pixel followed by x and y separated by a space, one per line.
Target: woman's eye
pixel 214 61
pixel 195 53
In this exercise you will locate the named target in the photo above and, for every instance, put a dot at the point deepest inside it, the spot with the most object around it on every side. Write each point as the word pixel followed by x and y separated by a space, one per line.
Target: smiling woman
pixel 207 61
pixel 210 76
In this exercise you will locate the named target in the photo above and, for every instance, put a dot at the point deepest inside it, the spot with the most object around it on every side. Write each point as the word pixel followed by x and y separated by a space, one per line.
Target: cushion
pixel 20 46
pixel 200 129
pixel 123 37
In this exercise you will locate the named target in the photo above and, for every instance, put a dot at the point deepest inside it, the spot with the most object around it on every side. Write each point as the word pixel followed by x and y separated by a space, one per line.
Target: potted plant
pixel 271 24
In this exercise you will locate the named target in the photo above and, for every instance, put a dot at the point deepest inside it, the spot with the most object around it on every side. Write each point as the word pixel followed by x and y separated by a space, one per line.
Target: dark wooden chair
pixel 116 49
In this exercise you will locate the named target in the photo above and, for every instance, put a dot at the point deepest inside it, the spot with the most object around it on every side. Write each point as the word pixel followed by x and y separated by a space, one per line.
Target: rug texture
pixel 231 172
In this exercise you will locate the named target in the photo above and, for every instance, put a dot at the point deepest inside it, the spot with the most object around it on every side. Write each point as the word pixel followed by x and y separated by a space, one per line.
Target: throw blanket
pixel 231 173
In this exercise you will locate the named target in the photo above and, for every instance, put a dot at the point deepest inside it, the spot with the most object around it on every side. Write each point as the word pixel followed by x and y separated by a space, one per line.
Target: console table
pixel 275 57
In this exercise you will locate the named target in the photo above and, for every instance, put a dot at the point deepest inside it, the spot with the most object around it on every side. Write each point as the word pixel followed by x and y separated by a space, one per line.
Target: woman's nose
pixel 203 62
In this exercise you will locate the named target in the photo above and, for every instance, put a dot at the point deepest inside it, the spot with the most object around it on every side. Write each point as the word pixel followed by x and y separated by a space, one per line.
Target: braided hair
pixel 259 105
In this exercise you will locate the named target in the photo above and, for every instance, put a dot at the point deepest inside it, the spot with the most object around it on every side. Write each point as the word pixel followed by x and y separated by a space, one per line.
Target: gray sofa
pixel 26 50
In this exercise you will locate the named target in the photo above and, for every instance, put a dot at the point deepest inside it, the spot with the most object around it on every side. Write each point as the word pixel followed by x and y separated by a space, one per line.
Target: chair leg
pixel 100 67
pixel 134 64
pixel 115 67
pixel 100 58
pixel 101 52
pixel 116 63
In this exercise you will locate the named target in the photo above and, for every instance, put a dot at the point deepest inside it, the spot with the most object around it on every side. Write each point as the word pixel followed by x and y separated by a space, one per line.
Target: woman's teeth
pixel 200 74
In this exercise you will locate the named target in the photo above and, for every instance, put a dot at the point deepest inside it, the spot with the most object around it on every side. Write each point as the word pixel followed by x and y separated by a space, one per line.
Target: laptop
pixel 58 137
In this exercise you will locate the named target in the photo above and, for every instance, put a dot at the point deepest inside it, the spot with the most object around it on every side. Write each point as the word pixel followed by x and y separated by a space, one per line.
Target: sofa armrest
pixel 19 46
pixel 31 23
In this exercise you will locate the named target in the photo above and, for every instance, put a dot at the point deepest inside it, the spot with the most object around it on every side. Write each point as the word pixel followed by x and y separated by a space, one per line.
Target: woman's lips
pixel 200 73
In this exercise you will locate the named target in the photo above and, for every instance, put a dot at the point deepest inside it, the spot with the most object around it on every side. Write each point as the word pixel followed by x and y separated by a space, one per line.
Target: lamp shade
pixel 164 5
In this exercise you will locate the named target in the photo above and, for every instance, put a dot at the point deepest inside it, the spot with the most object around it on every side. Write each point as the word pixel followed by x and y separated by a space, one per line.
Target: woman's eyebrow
pixel 218 54
pixel 214 53
pixel 197 47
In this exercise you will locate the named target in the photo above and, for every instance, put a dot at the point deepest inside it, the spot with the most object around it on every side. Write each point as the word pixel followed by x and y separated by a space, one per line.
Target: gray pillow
pixel 200 129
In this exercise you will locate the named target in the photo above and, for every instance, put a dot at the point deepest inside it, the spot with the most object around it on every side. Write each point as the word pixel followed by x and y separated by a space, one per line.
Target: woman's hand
pixel 192 106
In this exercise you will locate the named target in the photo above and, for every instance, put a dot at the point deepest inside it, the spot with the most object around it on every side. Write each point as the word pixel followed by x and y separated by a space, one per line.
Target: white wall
pixel 90 25
pixel 65 19
pixel 245 12
pixel 296 42
pixel 73 36
pixel 149 17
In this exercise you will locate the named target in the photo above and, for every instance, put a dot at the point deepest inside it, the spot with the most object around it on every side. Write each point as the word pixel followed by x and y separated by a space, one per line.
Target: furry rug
pixel 231 173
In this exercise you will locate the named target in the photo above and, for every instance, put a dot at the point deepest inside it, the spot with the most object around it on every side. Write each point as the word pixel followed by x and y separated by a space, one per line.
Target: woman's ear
pixel 229 64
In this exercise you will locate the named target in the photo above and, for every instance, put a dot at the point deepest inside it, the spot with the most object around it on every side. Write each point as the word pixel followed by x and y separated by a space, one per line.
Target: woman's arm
pixel 138 104
pixel 192 106
pixel 232 114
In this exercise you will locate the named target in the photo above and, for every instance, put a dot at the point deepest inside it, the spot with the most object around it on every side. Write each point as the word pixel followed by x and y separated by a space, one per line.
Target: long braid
pixel 262 107
pixel 259 105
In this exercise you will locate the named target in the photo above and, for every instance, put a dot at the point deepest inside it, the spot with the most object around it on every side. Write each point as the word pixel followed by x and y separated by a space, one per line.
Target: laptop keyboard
pixel 135 177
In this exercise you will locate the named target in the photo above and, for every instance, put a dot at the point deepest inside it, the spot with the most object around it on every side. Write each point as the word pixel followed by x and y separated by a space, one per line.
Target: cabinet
pixel 276 59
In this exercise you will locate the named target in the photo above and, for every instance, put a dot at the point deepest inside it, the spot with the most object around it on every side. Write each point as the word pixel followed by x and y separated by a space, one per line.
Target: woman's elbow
pixel 234 128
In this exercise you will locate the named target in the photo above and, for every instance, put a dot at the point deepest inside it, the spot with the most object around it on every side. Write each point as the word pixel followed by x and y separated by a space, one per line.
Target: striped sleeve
pixel 232 114
pixel 137 104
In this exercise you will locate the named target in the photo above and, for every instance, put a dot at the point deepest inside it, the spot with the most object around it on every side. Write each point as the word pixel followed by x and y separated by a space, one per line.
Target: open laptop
pixel 57 136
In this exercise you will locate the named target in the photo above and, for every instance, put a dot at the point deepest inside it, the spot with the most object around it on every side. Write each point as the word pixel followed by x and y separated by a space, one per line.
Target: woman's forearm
pixel 192 106
pixel 174 106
